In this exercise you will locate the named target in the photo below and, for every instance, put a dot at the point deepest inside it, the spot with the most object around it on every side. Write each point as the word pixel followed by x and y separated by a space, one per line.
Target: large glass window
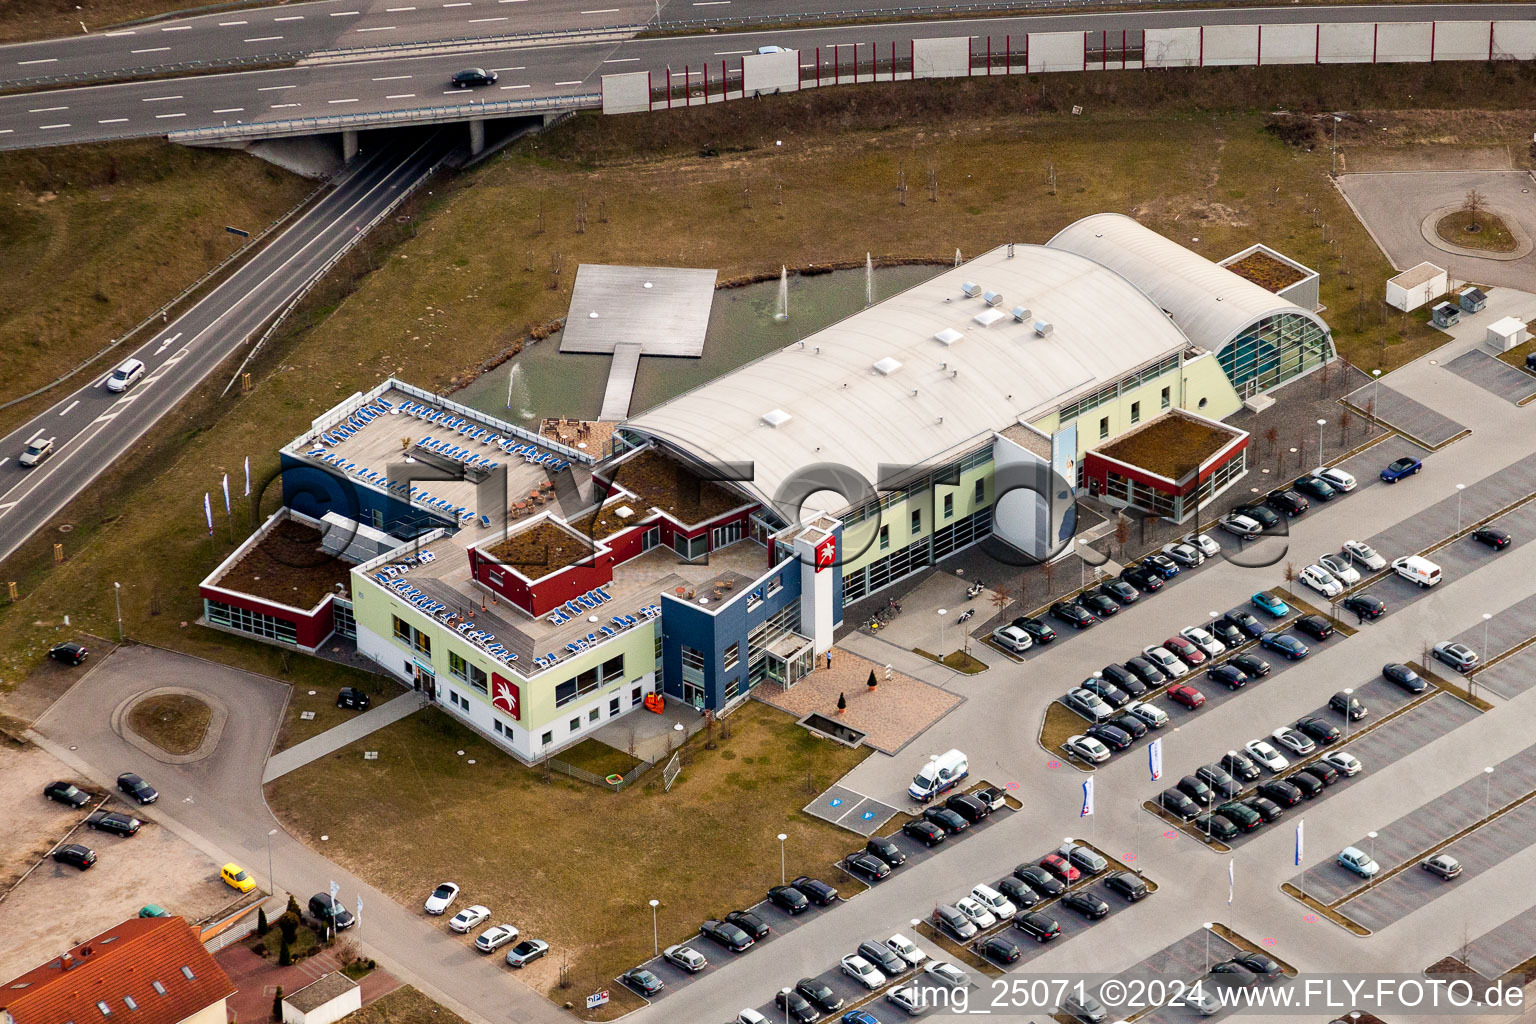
pixel 693 665
pixel 732 657
pixel 412 637
pixel 1274 350
pixel 590 679
pixel 254 623
pixel 471 674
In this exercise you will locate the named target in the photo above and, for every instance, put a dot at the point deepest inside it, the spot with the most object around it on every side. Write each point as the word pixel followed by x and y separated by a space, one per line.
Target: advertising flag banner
pixel 1155 759
pixel 1087 797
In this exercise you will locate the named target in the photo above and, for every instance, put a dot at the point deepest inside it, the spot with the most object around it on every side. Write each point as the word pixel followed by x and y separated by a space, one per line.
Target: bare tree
pixel 1475 201
pixel 1122 533
pixel 1346 420
pixel 581 215
pixel 1001 597
pixel 1048 568
pixel 1272 438
pixel 1290 574
pixel 901 186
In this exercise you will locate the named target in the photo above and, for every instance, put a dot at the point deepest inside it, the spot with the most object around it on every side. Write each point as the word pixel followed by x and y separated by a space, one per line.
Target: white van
pixel 994 901
pixel 1420 570
pixel 125 376
pixel 939 775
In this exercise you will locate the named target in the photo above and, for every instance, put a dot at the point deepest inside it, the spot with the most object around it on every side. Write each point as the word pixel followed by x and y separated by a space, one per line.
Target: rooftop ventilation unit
pixel 971 289
pixel 988 317
pixel 887 366
pixel 1021 313
pixel 776 417
pixel 992 298
pixel 1044 327
pixel 948 336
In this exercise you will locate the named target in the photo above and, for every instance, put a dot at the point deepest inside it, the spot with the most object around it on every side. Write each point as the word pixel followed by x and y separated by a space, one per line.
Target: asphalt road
pixel 554 73
pixel 92 426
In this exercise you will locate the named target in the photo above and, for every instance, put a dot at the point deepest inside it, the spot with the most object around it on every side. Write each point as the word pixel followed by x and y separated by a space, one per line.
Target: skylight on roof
pixel 989 316
pixel 948 336
pixel 887 366
pixel 776 418
pixel 187 971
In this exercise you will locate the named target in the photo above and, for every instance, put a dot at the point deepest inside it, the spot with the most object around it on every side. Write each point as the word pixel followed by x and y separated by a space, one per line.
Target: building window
pixel 1135 412
pixel 496 724
pixel 693 665
pixel 949 506
pixel 547 738
pixel 658 650
pixel 981 492
pixel 471 674
pixel 576 724
pixel 1202 403
pixel 1167 398
pixel 412 637
pixel 636 696
pixel 885 536
pixel 732 657
pixel 917 521
pixel 1103 427
pixel 732 688
pixel 157 987
pixel 186 972
pixel 613 707
pixel 254 623
pixel 594 714
pixel 775 585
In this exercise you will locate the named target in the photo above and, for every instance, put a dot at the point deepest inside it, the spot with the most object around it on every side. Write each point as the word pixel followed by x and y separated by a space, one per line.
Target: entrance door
pixel 693 693
pixel 650 538
pixel 426 682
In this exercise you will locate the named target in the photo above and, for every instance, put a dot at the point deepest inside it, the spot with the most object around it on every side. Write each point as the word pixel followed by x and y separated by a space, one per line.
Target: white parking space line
pixel 112 120
pixel 379 28
pixel 401 96
pixel 731 53
pixel 45 110
pixel 68 407
pixel 157 99
pixel 163 116
pixel 520 67
pixel 45 127
pixel 43 60
pixel 262 39
pixel 274 88
pixel 229 110
pixel 152 49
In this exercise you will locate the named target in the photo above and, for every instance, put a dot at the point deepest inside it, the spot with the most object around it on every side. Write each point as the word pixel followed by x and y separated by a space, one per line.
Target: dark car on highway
pixel 137 788
pixel 1145 579
pixel 1040 927
pixel 111 821
pixel 1494 538
pixel 1367 606
pixel 69 653
pixel 727 935
pixel 67 793
pixel 1073 614
pixel 788 899
pixel 1038 631
pixel 470 78
pixel 1287 503
pixel 749 923
pixel 886 850
pixel 817 891
pixel 946 819
pixel 924 831
pixel 75 855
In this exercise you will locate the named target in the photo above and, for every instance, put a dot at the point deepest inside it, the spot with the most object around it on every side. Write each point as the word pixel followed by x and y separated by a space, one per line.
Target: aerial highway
pixel 92 427
pixel 92 113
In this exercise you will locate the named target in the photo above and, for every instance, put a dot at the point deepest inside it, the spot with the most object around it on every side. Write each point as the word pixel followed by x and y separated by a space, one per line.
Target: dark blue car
pixel 1405 466
pixel 1284 644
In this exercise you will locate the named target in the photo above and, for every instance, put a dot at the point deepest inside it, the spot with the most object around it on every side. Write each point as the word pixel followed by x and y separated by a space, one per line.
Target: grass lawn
pixel 960 661
pixel 319 696
pixel 405 1005
pixel 531 849
pixel 1059 724
pixel 1476 229
pixel 598 758
pixel 97 237
pixel 174 722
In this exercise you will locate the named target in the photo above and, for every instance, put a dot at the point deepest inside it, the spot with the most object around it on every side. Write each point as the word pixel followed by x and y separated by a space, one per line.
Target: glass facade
pixel 1273 351
pixel 255 623
pixel 1120 387
pixel 924 552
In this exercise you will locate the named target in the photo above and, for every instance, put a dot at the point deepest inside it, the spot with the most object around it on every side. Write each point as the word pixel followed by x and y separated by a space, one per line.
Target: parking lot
pixel 782 923
pixel 1510 383
pixel 1187 960
pixel 1403 413
pixel 1501 949
pixel 1405 840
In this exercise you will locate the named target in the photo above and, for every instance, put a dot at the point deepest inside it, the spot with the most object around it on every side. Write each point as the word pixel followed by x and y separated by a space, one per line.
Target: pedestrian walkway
pixel 316 747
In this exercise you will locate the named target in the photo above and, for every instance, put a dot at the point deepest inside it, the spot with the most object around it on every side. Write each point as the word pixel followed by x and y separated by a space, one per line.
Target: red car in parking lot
pixel 1059 866
pixel 1183 693
pixel 1186 651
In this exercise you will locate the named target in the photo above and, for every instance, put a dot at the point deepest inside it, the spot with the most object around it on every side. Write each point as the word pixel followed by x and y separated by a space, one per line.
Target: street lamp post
pixel 785 993
pixel 117 599
pixel 1487 791
pixel 655 929
pixel 783 869
pixel 1472 673
pixel 1333 161
pixel 1321 423
pixel 1372 837
pixel 270 880
pixel 1376 393
pixel 1067 842
pixel 1207 926
pixel 943 612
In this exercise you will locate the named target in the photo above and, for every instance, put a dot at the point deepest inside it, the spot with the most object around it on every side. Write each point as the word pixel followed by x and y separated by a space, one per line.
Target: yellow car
pixel 236 877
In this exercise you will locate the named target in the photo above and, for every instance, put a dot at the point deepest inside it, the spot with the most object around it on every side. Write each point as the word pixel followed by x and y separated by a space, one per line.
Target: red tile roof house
pixel 150 970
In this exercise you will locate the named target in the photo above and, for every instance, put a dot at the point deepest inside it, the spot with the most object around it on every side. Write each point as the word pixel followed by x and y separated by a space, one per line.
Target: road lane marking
pixel 167 343
pixel 515 87
pixel 263 39
pixel 401 96
pixel 380 28
pixel 710 3
pixel 396 10
pixel 730 53
pixel 163 116
pixel 621 60
pixel 125 32
pixel 274 88
pixel 152 49
pixel 477 21
pixel 230 110
pixel 280 106
pixel 44 60
pixel 605 10
pixel 45 110
pixel 8 505
pixel 577 82
pixel 392 78
pixel 157 99
pixel 45 127
pixel 68 407
pixel 227 24
pixel 177 28
pixel 112 120
pixel 343 14
pixel 291 17
pixel 520 67
pixel 7 131
pixel 461 3
pixel 352 100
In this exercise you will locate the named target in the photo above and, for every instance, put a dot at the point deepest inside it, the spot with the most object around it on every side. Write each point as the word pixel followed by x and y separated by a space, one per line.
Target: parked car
pixel 1361 553
pixel 1404 676
pixel 1260 512
pixel 1251 627
pixel 1039 879
pixel 924 831
pixel 1216 826
pixel 1205 542
pixel 237 878
pixel 643 981
pixel 906 949
pixel 1112 736
pixel 1164 566
pixel 991 797
pixel 471 78
pixel 1207 644
pixel 1038 631
pixel 131 785
pixel 1417 569
pixel 1228 675
pixel 817 891
pixel 1338 566
pixel 1295 742
pixel 792 901
pixel 1196 790
pixel 1062 868
pixel 352 697
pixel 1084 902
pixel 1178 803
pixel 884 848
pixel 1240 766
pixel 946 819
pixel 1314 487
pixel 526 952
pixel 942 972
pixel 1281 792
pixel 1106 691
pixel 1253 666
pixel 862 971
pixel 1088 748
pixel 1123 679
pixel 111 821
pixel 1186 652
pixel 1324 772
pixel 728 935
pixel 1285 645
pixel 750 923
pixel 1019 893
pixel 1040 927
pixel 1264 808
pixel 819 994
pixel 1265 754
pixel 1183 693
pixel 1127 885
pixel 1230 636
pixel 1012 638
pixel 1345 763
pixel 1244 817
pixel 1087 703
pixel 1241 526
pixel 1099 605
pixel 1366 606
pixel 67 793
pixel 75 855
pixel 1494 538
pixel 1187 555
pixel 1084 1007
pixel 1321 580
pixel 1336 478
pixel 968 807
pixel 1216 777
pixel 1400 468
pixel 68 653
pixel 1154 716
pixel 1145 578
pixel 441 899
pixel 1459 656
pixel 1443 865
pixel 1260 964
pixel 1165 660
pixel 1128 723
pixel 1145 670
pixel 1229 974
pixel 1270 605
pixel 866 866
pixel 1309 784
pixel 999 949
pixel 1286 502
pixel 885 959
pixel 1349 705
pixel 1082 858
pixel 1119 590
pixel 469 918
pixel 1073 614
pixel 1315 626
pixel 1352 858
pixel 327 909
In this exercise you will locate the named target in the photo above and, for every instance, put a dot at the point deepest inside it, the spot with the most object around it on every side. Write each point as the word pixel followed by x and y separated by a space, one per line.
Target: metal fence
pixel 613 782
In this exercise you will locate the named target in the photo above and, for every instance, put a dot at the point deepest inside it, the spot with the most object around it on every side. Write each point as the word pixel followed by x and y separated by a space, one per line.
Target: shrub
pixel 288 924
pixel 262 927
pixel 284 956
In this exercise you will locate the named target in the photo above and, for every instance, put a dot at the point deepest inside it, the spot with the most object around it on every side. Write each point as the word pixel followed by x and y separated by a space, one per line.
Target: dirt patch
pixel 1476 229
pixel 32 824
pixel 174 722
pixel 288 566
pixel 1265 271
pixel 404 1005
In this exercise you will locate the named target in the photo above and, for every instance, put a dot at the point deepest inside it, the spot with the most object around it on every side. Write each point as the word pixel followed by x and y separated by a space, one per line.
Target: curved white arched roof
pixel 1211 303
pixel 833 405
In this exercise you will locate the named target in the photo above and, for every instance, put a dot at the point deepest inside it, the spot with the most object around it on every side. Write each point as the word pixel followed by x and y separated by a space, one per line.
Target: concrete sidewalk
pixel 316 747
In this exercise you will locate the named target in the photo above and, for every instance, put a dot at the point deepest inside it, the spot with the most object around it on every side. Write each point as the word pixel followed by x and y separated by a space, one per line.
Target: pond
pixel 543 382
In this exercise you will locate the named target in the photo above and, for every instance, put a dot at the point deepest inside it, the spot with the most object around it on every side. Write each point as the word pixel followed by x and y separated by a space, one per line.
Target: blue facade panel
pixel 313 491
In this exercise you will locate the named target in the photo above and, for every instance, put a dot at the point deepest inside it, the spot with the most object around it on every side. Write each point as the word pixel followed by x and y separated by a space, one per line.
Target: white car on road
pixel 37 449
pixel 442 897
pixel 1339 566
pixel 1164 659
pixel 125 376
pixel 1203 640
pixel 1321 580
pixel 1264 753
pixel 469 917
pixel 862 971
pixel 1363 554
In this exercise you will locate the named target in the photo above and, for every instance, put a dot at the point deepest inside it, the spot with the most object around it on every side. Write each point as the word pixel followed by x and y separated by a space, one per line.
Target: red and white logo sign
pixel 505 695
pixel 826 554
